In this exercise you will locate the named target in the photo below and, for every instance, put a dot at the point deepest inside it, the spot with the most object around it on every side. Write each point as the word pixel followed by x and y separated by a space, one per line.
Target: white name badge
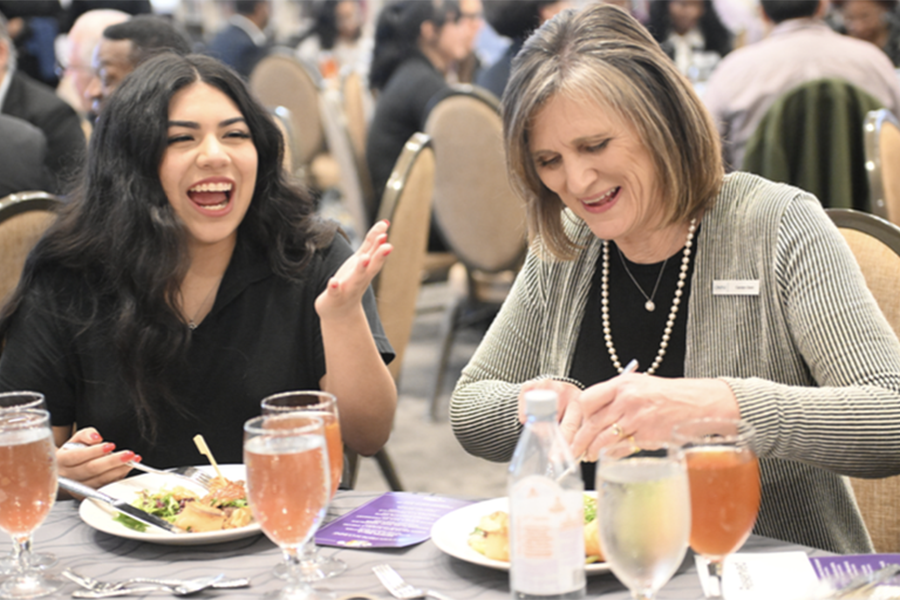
pixel 736 287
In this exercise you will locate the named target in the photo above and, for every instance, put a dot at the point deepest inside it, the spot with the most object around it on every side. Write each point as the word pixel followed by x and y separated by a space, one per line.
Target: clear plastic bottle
pixel 546 509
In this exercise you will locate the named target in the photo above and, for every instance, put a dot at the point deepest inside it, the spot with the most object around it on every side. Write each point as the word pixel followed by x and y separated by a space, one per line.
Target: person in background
pixel 34 26
pixel 801 47
pixel 76 8
pixel 83 38
pixel 187 279
pixel 335 42
pixel 32 101
pixel 683 27
pixel 515 19
pixel 243 42
pixel 632 220
pixel 874 21
pixel 471 19
pixel 416 42
pixel 125 46
pixel 22 152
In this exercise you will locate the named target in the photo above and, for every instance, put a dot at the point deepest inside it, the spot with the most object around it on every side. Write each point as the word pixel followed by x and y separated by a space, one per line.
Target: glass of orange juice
pixel 288 486
pixel 723 473
pixel 27 492
pixel 314 566
pixel 10 401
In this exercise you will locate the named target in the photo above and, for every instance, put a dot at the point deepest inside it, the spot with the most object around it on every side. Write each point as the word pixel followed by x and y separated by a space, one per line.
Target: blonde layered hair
pixel 604 56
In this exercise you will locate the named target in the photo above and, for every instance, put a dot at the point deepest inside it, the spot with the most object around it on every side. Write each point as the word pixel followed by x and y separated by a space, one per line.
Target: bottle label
pixel 546 537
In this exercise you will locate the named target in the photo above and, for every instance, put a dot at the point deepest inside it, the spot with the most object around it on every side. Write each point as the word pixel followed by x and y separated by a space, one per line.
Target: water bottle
pixel 546 509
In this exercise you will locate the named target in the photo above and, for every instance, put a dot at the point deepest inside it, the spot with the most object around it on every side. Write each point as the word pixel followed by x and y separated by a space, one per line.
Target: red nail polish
pixel 128 455
pixel 108 447
pixel 96 437
pixel 386 222
pixel 137 458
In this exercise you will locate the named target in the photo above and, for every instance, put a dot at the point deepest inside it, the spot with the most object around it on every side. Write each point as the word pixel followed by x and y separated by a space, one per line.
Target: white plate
pixel 100 516
pixel 451 534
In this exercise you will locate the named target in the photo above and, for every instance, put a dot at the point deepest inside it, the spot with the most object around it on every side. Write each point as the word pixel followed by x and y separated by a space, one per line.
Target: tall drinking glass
pixel 313 565
pixel 288 484
pixel 17 401
pixel 27 493
pixel 723 470
pixel 643 511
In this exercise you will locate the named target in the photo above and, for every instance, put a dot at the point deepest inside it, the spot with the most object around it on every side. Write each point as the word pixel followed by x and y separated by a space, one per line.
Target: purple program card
pixel 393 520
pixel 852 564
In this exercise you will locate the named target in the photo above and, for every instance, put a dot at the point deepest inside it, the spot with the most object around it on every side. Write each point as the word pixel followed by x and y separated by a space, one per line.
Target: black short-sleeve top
pixel 262 336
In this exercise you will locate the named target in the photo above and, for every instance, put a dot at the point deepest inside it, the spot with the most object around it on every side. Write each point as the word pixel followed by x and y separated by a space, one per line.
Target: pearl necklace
pixel 676 301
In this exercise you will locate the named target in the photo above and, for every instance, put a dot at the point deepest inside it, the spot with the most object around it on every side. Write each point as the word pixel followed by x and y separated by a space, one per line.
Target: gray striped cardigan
pixel 813 363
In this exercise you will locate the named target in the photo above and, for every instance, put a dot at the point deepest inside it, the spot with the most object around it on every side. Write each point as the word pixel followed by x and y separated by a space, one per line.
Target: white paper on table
pixel 782 575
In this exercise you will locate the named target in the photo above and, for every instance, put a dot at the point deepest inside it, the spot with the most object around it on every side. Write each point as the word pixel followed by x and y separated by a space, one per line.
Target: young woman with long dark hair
pixel 188 278
pixel 416 42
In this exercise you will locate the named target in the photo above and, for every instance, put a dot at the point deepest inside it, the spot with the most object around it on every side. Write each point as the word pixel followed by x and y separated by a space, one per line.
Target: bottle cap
pixel 540 403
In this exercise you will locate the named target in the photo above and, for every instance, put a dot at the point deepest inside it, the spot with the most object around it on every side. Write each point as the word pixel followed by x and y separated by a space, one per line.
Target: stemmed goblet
pixel 27 492
pixel 18 401
pixel 288 483
pixel 723 470
pixel 313 565
pixel 643 511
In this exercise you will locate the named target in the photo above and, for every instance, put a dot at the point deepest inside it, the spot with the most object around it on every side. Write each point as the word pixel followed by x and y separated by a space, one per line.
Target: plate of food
pixel 479 533
pixel 219 514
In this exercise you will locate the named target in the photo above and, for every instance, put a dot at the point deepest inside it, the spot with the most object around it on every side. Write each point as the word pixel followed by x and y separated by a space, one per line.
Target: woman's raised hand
pixel 647 408
pixel 345 289
pixel 86 458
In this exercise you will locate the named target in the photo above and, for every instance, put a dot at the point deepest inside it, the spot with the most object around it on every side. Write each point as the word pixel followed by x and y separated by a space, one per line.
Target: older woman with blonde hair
pixel 737 296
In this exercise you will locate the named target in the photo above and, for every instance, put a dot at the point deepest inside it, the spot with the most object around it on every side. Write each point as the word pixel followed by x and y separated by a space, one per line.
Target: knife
pixel 120 505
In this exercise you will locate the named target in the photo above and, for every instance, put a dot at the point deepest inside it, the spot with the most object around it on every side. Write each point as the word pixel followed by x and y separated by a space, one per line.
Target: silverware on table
pixel 120 505
pixel 399 588
pixel 138 585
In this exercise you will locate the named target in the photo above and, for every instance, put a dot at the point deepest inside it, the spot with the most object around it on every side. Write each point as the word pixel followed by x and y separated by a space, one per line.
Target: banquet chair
pixel 282 118
pixel 478 214
pixel 280 79
pixel 407 205
pixel 340 147
pixel 875 243
pixel 24 217
pixel 812 137
pixel 357 104
pixel 882 147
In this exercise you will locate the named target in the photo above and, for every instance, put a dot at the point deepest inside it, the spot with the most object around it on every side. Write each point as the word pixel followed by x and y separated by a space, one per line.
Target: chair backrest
pixel 341 150
pixel 353 92
pixel 480 216
pixel 357 102
pixel 812 137
pixel 407 205
pixel 882 146
pixel 876 245
pixel 23 219
pixel 281 79
pixel 282 118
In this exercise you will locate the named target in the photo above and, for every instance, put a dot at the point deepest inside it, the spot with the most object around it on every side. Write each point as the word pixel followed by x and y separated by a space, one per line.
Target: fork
pixel 192 473
pixel 398 587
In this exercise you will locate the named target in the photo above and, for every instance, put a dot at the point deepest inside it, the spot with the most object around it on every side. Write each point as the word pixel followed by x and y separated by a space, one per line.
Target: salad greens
pixel 162 504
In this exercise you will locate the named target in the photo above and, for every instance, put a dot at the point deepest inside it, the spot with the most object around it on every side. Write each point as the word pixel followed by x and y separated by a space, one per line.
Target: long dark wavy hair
pixel 120 237
pixel 716 35
pixel 397 34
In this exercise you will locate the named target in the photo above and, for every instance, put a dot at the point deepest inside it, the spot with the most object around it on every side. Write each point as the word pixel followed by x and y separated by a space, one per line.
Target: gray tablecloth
pixel 102 556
